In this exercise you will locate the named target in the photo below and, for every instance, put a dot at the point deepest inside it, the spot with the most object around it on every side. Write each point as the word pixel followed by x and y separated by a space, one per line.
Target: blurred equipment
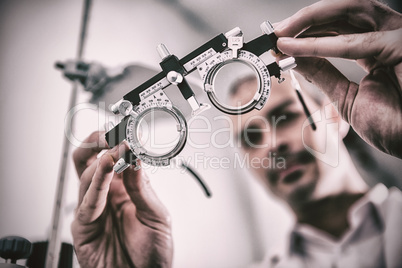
pixel 93 76
pixel 220 63
pixel 37 258
pixel 12 249
pixel 53 248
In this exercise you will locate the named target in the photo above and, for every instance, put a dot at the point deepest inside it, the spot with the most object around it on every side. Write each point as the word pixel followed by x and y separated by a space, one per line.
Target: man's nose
pixel 279 144
pixel 282 148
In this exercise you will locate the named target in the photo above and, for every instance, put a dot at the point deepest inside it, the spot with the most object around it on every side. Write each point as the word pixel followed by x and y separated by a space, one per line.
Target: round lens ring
pixel 238 85
pixel 157 134
pixel 229 77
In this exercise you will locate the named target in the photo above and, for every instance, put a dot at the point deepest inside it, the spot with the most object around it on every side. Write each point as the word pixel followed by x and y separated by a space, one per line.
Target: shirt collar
pixel 370 205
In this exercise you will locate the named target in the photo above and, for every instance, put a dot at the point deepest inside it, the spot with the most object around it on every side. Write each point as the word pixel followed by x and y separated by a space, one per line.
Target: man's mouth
pixel 295 167
pixel 291 174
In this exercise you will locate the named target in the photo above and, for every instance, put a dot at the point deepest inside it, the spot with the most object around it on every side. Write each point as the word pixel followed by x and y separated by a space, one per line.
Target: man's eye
pixel 289 118
pixel 251 136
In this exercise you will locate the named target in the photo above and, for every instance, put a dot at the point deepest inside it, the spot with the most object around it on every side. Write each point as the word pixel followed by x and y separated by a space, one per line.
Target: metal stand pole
pixel 53 250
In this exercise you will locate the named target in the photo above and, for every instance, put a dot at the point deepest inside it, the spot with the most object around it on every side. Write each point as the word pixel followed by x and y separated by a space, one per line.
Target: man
pixel 338 219
pixel 121 223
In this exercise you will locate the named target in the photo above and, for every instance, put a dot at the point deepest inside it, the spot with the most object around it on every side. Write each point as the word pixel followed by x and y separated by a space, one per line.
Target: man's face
pixel 275 139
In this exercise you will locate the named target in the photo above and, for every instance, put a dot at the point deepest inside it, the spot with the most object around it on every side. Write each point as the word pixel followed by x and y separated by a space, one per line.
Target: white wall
pixel 33 105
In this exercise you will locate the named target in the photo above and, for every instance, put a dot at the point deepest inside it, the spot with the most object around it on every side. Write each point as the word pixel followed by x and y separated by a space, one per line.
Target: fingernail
pixel 283 43
pixel 285 40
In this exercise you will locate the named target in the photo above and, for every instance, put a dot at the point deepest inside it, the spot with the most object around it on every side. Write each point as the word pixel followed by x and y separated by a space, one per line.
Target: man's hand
pixel 119 221
pixel 370 33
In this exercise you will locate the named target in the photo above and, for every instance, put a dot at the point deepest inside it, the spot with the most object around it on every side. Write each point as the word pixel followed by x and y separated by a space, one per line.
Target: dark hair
pixel 316 95
pixel 236 85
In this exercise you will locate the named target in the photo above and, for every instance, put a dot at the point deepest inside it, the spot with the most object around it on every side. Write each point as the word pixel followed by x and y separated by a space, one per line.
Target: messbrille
pixel 219 62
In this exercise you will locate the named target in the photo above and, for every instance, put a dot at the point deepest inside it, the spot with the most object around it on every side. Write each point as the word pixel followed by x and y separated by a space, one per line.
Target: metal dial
pixel 210 69
pixel 144 136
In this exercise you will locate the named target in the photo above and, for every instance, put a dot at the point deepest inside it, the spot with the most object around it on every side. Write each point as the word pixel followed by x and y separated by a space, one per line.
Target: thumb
pixel 384 46
pixel 149 209
pixel 331 81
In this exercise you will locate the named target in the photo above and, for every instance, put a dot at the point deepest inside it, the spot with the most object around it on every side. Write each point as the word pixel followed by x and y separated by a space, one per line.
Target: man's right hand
pixel 368 32
pixel 119 221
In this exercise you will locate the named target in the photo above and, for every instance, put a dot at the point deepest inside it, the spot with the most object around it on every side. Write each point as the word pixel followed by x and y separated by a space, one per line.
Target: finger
pixel 87 175
pixel 86 179
pixel 150 209
pixel 385 46
pixel 318 13
pixel 380 99
pixel 332 29
pixel 398 73
pixel 331 81
pixel 94 192
pixel 94 200
pixel 371 15
pixel 362 106
pixel 83 156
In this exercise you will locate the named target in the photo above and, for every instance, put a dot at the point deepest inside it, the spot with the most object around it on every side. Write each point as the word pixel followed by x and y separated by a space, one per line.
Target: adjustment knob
pixel 287 64
pixel 174 77
pixel 123 107
pixel 163 51
pixel 14 248
pixel 267 27
pixel 120 166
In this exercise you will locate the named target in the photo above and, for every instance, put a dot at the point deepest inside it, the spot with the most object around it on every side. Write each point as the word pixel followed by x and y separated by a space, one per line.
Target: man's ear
pixel 343 128
pixel 331 111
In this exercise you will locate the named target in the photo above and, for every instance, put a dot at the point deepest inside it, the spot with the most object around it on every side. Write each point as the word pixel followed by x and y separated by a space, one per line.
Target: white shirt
pixel 374 238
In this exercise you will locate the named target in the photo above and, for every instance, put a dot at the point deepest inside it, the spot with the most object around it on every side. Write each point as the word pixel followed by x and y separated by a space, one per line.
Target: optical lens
pixel 235 84
pixel 158 132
